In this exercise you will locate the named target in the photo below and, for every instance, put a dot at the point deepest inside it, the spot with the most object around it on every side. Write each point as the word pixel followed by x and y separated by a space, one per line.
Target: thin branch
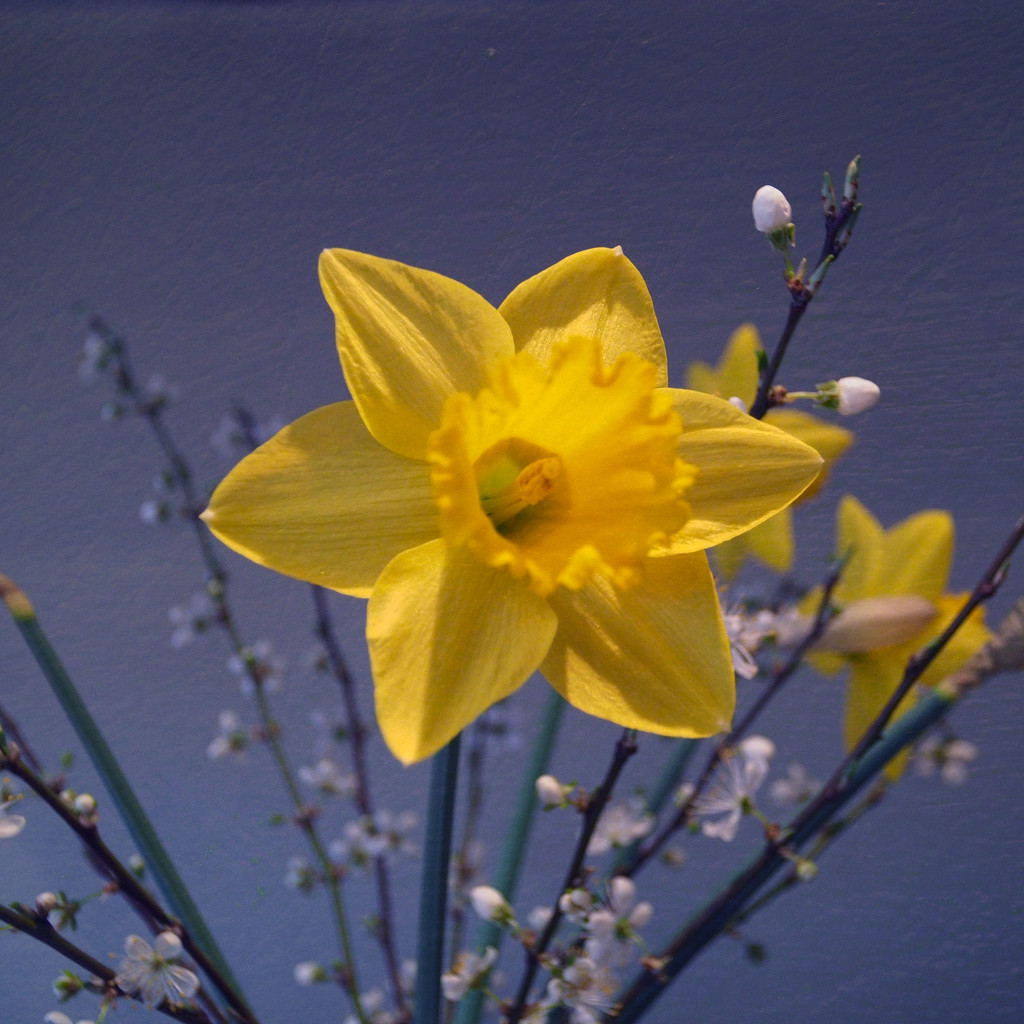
pixel 625 748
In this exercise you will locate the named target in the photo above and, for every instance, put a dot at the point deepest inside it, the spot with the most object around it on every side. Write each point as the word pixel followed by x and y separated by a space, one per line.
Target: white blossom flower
pixel 741 643
pixel 300 875
pixel 586 988
pixel 327 777
pixel 537 919
pixel 619 825
pixel 152 512
pixel 368 837
pixel 612 929
pixel 232 437
pixel 576 904
pixel 796 787
pixel 309 973
pixel 10 824
pixel 469 970
pixel 95 357
pixel 190 619
pixel 489 904
pixel 261 661
pixel 233 739
pixel 151 972
pixel 947 756
pixel 856 395
pixel 158 392
pixel 56 1017
pixel 730 797
pixel 771 209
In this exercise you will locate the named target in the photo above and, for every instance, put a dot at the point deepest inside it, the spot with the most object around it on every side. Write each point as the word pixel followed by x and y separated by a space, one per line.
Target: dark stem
pixel 625 748
pixel 357 734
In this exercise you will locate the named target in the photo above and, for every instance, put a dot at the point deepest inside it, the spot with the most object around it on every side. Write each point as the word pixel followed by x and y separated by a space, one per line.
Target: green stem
pixel 127 803
pixel 506 875
pixel 437 847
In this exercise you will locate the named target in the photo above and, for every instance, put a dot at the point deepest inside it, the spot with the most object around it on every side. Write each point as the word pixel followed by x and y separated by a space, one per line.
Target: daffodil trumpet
pixel 515 488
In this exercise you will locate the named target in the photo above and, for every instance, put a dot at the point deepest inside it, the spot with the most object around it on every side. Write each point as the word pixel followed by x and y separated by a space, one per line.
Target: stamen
pixel 531 485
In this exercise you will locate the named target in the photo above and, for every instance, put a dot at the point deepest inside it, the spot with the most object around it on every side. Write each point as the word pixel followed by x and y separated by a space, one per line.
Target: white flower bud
pixel 738 402
pixel 551 792
pixel 490 904
pixel 576 904
pixel 46 901
pixel 856 395
pixel 875 622
pixel 85 803
pixel 309 973
pixel 771 209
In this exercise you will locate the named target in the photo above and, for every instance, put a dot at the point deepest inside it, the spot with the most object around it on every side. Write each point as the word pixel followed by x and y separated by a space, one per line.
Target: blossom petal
pixel 323 501
pixel 746 470
pixel 598 294
pixel 448 638
pixel 407 339
pixel 654 658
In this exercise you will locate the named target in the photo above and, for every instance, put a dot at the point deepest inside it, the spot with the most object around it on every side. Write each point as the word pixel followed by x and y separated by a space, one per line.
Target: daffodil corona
pixel 515 489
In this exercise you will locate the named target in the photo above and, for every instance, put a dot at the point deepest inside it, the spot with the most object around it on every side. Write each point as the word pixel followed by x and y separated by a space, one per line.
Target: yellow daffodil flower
pixel 736 375
pixel 513 489
pixel 892 602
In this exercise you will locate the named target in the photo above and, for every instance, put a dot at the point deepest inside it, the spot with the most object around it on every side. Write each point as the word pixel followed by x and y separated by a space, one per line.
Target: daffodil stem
pixel 625 748
pixel 444 768
pixel 723 910
pixel 506 875
pixel 136 820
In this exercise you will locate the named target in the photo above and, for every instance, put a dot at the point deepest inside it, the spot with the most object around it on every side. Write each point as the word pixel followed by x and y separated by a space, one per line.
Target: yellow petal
pixel 408 338
pixel 609 438
pixel 323 501
pixel 966 642
pixel 919 553
pixel 736 373
pixel 448 638
pixel 873 680
pixel 772 541
pixel 655 658
pixel 911 558
pixel 746 470
pixel 828 440
pixel 597 294
pixel 860 539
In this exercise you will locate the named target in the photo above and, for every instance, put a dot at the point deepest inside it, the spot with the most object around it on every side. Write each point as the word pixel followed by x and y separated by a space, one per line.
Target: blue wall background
pixel 178 167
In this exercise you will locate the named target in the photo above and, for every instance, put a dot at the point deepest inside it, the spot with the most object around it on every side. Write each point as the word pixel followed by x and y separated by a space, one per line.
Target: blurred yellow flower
pixel 513 489
pixel 736 375
pixel 892 602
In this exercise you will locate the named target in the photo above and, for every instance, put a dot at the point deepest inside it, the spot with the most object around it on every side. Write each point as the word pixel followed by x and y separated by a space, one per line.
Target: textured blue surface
pixel 178 167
